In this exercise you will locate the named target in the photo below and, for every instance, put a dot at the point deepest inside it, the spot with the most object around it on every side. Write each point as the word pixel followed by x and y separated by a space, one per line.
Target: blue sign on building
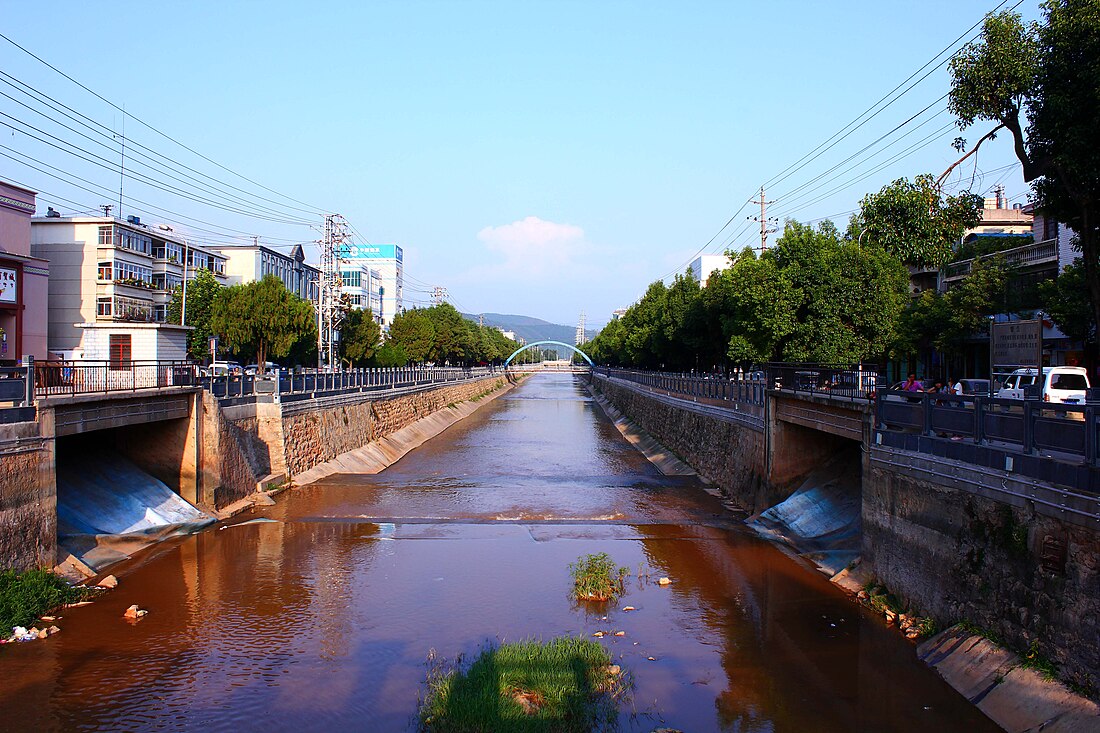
pixel 374 251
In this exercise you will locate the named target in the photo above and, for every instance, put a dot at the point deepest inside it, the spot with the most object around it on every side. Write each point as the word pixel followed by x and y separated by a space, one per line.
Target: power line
pixel 150 127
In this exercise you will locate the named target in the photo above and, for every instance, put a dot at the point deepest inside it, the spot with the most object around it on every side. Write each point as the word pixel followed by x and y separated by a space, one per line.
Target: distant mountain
pixel 530 329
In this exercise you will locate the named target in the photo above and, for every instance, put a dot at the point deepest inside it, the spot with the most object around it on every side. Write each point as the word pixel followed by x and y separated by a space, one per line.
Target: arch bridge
pixel 523 348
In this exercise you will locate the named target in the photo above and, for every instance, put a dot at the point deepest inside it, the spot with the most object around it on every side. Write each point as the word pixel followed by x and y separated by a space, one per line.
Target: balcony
pixel 1035 255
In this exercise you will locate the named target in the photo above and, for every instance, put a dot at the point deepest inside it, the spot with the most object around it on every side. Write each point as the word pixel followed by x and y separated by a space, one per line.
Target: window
pixel 160 313
pixel 103 307
pixel 105 271
pixel 352 278
pixel 120 350
pixel 105 237
pixel 1068 381
pixel 132 274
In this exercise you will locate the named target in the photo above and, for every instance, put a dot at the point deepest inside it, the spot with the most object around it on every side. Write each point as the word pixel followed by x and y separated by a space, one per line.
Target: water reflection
pixel 323 619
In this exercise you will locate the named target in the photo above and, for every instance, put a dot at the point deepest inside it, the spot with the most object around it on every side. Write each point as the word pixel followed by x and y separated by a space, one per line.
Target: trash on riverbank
pixel 110 582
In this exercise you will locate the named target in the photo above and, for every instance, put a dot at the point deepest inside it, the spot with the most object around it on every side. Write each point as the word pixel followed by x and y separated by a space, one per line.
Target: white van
pixel 1062 384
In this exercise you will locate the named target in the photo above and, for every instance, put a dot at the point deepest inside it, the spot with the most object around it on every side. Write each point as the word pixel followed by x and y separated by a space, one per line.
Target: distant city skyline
pixel 543 159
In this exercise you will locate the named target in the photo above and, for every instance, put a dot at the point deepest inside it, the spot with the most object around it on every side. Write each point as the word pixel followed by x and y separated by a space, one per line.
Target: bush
pixel 597 578
pixel 565 684
pixel 26 596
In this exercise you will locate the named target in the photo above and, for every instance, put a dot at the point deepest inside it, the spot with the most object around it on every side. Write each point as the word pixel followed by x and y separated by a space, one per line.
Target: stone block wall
pixel 1028 580
pixel 28 496
pixel 320 433
pixel 731 455
pixel 234 455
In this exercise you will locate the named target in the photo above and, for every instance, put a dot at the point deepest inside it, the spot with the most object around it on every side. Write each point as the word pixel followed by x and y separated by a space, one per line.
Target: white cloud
pixel 532 246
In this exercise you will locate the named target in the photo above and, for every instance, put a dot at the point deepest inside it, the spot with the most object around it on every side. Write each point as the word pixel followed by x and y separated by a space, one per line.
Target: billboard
pixel 374 251
pixel 1017 344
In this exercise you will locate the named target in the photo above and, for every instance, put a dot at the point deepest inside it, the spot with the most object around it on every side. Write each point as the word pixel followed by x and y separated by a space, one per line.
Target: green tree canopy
pixel 914 222
pixel 201 294
pixel 360 337
pixel 262 318
pixel 1041 82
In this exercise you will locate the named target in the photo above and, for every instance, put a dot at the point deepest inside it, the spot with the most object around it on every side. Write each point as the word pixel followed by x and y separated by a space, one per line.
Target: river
pixel 324 618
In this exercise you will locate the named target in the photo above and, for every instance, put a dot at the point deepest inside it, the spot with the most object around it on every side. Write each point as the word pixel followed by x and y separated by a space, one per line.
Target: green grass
pixel 563 685
pixel 26 596
pixel 597 578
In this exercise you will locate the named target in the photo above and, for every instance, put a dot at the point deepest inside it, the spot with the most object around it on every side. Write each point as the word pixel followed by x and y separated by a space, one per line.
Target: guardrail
pixel 859 381
pixel 291 385
pixel 1064 431
pixel 740 389
pixel 52 378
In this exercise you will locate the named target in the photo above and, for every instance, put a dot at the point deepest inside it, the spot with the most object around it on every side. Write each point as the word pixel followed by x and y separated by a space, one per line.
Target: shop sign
pixel 8 286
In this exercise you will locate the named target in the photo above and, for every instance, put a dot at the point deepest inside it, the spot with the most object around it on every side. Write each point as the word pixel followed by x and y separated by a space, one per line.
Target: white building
pixel 245 263
pixel 704 265
pixel 107 271
pixel 386 260
pixel 362 286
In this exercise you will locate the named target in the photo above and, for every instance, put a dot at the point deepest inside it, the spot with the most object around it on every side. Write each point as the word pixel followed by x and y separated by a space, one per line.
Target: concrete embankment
pixel 939 539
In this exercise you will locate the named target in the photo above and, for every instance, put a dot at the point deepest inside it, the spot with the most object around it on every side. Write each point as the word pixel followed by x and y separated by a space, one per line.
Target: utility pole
pixel 328 292
pixel 106 209
pixel 764 221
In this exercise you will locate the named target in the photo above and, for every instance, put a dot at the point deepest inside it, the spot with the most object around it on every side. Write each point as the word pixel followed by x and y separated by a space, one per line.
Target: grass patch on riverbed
pixel 26 596
pixel 597 578
pixel 565 685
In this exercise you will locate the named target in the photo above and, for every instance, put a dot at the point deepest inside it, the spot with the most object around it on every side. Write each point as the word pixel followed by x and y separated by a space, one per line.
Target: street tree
pixel 914 221
pixel 262 318
pixel 201 294
pixel 360 337
pixel 1041 83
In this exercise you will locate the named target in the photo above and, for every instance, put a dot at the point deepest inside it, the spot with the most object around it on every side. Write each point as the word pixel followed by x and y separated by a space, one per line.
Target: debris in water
pixel 663 581
pixel 110 582
pixel 620 633
pixel 135 612
pixel 629 608
pixel 598 634
pixel 652 659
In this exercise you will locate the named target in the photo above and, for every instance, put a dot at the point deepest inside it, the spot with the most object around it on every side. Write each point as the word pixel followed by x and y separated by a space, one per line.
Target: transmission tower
pixel 439 295
pixel 329 313
pixel 767 226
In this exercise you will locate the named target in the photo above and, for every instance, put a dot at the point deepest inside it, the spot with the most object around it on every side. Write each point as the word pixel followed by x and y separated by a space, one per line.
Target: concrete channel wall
pixel 954 542
pixel 28 497
pixel 728 450
pixel 252 444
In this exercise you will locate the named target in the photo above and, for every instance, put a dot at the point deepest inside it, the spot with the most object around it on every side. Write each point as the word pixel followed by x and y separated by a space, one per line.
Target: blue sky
pixel 540 158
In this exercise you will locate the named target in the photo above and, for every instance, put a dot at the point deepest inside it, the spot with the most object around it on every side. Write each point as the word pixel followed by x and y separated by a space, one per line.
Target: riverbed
pixel 323 616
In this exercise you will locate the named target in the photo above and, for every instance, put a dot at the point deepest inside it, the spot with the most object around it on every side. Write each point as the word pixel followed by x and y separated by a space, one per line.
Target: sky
pixel 538 158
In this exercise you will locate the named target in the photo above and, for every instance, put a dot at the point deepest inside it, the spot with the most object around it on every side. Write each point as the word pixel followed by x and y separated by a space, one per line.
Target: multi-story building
pixel 703 266
pixel 24 280
pixel 362 286
pixel 245 263
pixel 387 261
pixel 107 273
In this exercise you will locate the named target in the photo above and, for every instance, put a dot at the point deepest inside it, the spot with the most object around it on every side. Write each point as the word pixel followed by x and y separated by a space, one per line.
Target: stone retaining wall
pixel 729 454
pixel 314 436
pixel 1021 577
pixel 28 497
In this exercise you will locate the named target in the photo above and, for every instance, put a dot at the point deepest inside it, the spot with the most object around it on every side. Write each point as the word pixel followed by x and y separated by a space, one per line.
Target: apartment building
pixel 245 263
pixel 109 275
pixel 24 279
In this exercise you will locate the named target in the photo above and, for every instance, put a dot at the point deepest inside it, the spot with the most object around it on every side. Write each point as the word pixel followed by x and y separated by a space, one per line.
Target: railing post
pixel 979 419
pixel 926 406
pixel 28 383
pixel 1029 428
pixel 1090 435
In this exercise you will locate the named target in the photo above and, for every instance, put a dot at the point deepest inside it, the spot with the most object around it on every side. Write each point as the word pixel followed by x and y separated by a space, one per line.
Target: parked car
pixel 224 368
pixel 979 387
pixel 253 369
pixel 1061 384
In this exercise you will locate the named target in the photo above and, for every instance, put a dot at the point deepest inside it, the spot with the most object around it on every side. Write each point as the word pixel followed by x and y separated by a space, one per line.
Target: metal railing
pixel 52 378
pixel 1031 427
pixel 858 381
pixel 1037 253
pixel 744 389
pixel 289 385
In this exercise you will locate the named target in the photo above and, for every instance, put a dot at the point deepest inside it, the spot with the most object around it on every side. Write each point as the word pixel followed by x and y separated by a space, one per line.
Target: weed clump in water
pixel 597 578
pixel 565 684
pixel 26 596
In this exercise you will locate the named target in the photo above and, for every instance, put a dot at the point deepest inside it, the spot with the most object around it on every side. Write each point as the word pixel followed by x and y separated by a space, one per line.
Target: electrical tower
pixel 765 221
pixel 329 313
pixel 581 338
pixel 439 295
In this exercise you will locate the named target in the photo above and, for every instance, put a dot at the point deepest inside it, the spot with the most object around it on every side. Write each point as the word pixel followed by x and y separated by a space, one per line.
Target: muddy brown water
pixel 323 619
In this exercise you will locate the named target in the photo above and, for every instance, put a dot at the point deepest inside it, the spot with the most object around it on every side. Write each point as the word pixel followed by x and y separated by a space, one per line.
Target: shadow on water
pixel 323 619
